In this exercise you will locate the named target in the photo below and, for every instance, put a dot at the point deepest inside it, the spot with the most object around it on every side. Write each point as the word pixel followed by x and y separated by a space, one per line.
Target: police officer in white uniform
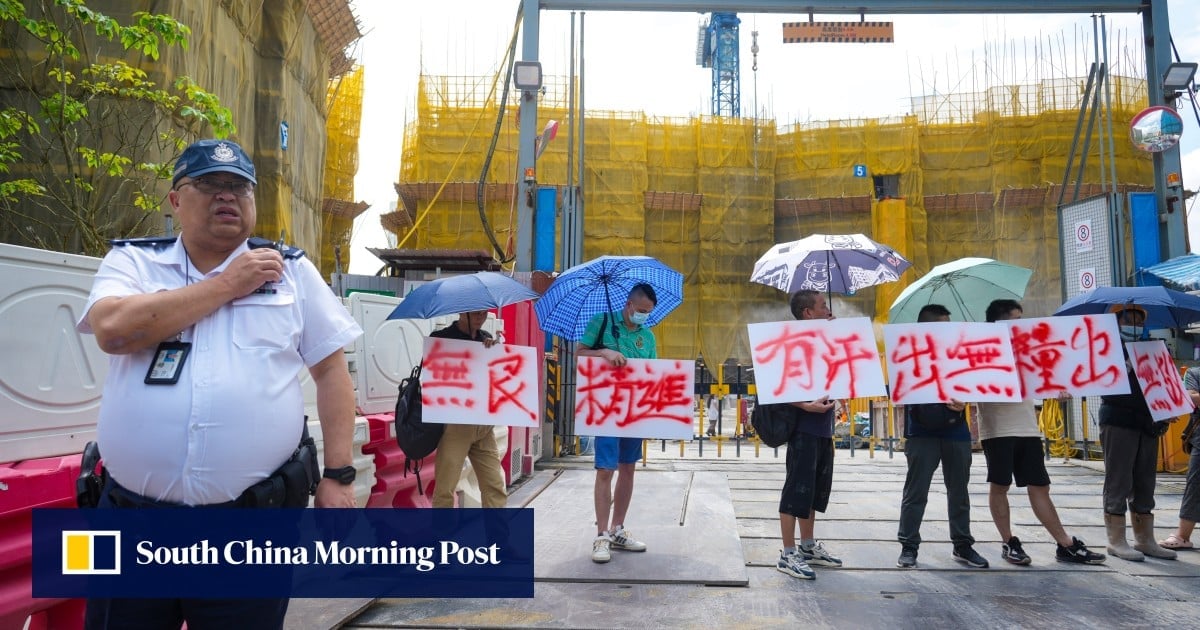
pixel 207 334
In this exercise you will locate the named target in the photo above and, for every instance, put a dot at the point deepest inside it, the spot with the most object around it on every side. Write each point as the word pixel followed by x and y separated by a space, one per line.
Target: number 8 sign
pixel 1083 236
pixel 1087 279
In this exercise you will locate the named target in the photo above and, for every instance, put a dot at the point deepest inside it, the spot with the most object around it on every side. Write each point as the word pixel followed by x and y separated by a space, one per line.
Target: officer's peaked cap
pixel 213 156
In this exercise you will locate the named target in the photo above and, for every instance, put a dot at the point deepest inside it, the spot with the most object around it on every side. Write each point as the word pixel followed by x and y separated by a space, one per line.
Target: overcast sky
pixel 646 62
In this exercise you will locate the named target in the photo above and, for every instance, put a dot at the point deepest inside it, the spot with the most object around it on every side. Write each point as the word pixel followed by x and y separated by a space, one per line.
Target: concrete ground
pixel 712 528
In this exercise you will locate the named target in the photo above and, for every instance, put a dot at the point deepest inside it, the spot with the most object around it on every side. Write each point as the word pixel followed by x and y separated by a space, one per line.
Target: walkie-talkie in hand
pixel 266 288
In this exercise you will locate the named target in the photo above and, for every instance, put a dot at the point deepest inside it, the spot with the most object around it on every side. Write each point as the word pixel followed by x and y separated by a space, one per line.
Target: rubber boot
pixel 1115 524
pixel 1143 533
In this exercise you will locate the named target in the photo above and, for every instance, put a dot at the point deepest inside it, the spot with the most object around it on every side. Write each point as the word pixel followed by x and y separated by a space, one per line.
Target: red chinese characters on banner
pixel 1078 354
pixel 505 385
pixel 1159 379
pixel 446 377
pixel 937 362
pixel 462 382
pixel 805 360
pixel 647 398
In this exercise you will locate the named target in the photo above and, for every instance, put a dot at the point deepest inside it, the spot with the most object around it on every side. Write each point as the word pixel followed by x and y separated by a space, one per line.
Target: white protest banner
pixel 806 359
pixel 940 361
pixel 463 382
pixel 645 398
pixel 1078 354
pixel 1159 378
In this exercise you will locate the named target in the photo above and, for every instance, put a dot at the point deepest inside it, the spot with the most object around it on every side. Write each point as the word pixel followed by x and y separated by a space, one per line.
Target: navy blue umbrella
pixel 1165 308
pixel 462 294
pixel 603 285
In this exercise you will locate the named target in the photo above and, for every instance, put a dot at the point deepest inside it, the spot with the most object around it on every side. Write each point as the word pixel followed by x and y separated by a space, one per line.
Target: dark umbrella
pixel 1165 308
pixel 462 294
pixel 602 285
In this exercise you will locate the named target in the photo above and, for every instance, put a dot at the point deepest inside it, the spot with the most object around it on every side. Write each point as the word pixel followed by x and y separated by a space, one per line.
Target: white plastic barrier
pixel 51 377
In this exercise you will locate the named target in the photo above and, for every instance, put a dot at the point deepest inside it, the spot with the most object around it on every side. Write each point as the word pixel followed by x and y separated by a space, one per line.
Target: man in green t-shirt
pixel 615 337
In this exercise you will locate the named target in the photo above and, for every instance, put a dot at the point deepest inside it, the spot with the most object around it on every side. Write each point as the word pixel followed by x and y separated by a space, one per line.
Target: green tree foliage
pixel 87 140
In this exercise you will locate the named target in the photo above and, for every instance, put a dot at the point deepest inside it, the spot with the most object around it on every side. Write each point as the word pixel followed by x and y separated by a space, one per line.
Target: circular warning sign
pixel 1087 279
pixel 1083 236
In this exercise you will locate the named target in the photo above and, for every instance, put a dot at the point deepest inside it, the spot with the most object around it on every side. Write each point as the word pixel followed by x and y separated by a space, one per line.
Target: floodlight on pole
pixel 1178 78
pixel 527 75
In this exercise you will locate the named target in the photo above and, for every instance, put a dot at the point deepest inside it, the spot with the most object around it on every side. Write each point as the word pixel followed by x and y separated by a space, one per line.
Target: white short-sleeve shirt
pixel 235 415
pixel 1018 419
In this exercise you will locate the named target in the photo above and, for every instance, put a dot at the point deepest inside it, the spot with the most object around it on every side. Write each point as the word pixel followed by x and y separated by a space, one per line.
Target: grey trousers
pixel 1130 462
pixel 924 455
pixel 1189 509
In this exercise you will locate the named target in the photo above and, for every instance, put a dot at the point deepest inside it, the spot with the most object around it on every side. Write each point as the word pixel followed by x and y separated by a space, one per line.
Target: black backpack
pixel 414 437
pixel 773 423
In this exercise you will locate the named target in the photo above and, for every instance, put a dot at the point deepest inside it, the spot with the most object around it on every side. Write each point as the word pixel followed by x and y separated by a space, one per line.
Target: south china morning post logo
pixel 249 552
pixel 91 552
pixel 221 553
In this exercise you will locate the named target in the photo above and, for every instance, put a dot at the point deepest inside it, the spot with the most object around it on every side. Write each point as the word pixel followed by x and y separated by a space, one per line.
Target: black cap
pixel 213 156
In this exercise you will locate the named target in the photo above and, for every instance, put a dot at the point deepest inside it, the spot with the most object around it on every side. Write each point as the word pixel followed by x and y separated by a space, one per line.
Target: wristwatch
pixel 344 475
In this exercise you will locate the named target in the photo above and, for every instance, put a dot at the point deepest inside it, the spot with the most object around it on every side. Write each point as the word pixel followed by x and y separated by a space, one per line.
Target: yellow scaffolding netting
pixel 964 175
pixel 343 99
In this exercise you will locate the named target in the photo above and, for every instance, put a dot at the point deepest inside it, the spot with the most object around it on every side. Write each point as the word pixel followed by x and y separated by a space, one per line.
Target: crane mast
pixel 718 48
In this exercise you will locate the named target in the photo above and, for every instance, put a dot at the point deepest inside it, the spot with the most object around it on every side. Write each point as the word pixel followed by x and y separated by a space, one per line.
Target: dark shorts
pixel 1015 457
pixel 611 451
pixel 809 476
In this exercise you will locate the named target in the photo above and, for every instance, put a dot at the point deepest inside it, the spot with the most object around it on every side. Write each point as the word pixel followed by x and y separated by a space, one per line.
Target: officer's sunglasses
pixel 209 186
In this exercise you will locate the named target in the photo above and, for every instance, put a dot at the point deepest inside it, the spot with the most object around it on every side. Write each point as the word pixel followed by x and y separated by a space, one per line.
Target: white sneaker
pixel 793 564
pixel 600 549
pixel 817 556
pixel 622 540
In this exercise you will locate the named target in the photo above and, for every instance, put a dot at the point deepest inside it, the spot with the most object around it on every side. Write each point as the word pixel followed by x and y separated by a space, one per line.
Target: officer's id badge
pixel 168 362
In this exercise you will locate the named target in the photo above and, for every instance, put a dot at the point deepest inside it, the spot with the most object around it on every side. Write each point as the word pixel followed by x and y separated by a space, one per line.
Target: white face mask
pixel 1131 333
pixel 638 318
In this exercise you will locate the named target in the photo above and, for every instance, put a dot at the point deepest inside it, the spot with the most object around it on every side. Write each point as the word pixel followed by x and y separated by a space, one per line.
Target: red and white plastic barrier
pixel 39 483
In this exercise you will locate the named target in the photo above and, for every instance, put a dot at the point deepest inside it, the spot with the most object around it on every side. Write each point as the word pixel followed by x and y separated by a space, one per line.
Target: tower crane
pixel 717 47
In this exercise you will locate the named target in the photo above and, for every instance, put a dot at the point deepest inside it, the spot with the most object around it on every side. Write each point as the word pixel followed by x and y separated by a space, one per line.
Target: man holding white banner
pixel 809 478
pixel 936 434
pixel 1129 435
pixel 616 337
pixel 1012 444
pixel 460 441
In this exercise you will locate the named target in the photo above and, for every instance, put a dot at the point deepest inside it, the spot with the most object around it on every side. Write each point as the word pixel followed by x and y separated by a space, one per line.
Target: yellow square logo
pixel 91 552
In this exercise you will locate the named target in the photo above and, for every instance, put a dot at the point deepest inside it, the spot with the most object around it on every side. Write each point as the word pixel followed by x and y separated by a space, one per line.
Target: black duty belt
pixel 125 498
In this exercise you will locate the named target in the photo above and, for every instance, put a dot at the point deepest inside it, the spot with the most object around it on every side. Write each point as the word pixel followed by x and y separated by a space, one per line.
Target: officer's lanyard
pixel 170 356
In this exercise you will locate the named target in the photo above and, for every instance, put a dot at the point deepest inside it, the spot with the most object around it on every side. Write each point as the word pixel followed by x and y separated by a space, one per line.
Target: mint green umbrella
pixel 965 287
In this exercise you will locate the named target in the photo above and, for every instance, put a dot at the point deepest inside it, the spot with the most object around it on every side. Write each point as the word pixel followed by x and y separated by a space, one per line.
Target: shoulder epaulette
pixel 288 251
pixel 149 241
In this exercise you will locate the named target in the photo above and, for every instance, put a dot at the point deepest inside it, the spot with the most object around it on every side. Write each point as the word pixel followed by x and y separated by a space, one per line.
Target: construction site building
pixel 962 175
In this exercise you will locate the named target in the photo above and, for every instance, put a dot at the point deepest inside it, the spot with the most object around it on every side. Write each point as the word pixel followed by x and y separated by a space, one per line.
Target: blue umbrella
pixel 602 285
pixel 462 294
pixel 1165 308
